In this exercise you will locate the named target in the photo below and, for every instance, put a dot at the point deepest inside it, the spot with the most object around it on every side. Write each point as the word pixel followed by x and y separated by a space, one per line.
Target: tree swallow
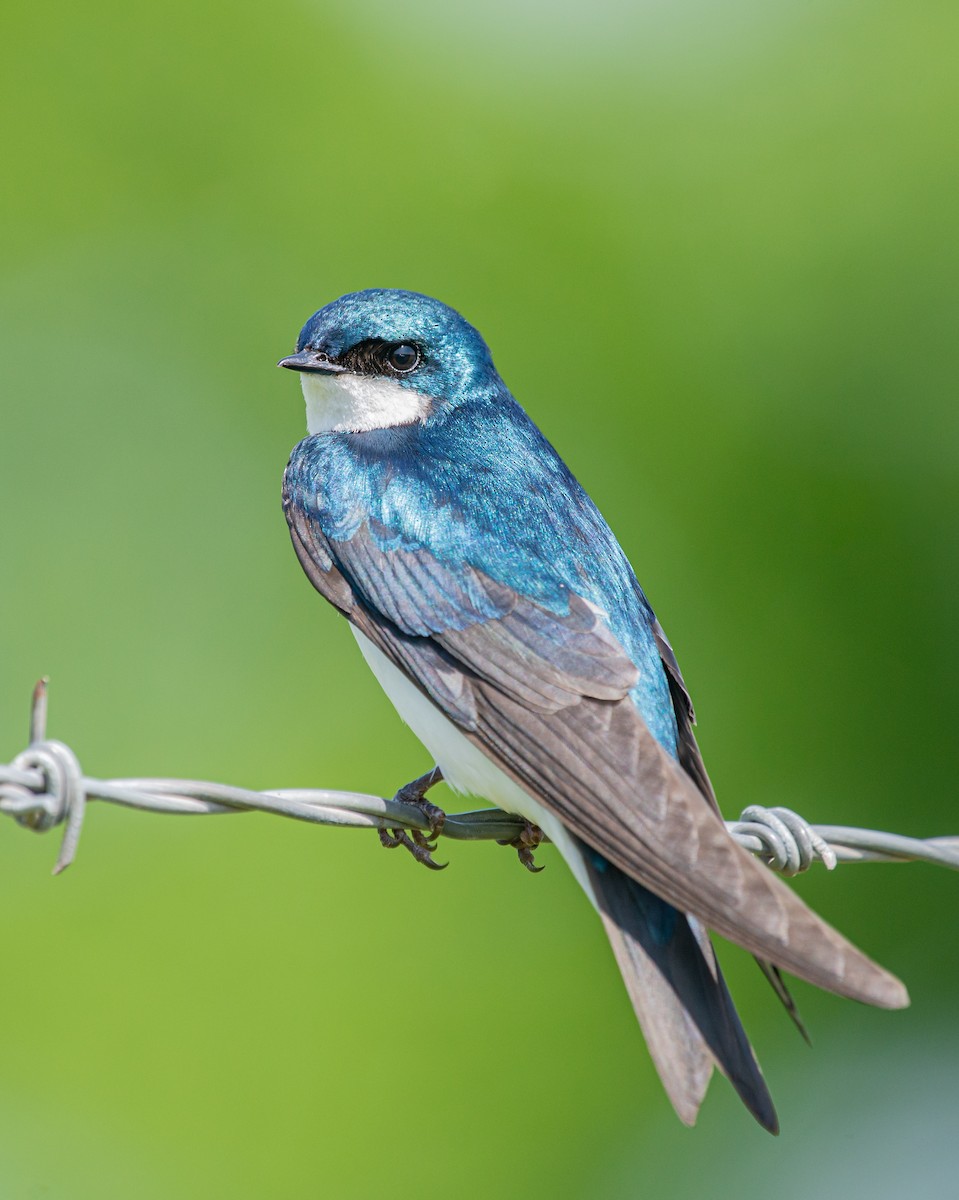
pixel 504 622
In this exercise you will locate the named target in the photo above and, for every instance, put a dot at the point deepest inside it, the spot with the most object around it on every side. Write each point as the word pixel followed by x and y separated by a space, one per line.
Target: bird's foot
pixel 525 843
pixel 421 844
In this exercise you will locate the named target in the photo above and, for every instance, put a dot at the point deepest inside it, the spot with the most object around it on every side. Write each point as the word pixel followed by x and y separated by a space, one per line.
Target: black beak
pixel 311 360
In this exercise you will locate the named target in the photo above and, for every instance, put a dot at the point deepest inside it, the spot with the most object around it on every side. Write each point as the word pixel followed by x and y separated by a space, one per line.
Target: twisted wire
pixel 44 787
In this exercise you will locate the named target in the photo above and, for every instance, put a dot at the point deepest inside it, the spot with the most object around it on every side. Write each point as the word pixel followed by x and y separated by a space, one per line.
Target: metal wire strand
pixel 44 786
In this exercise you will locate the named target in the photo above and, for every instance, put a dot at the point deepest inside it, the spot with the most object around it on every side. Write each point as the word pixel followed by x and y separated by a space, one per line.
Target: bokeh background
pixel 714 249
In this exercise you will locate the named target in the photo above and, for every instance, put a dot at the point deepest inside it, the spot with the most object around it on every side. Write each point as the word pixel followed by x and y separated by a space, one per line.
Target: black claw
pixel 420 843
pixel 526 858
pixel 418 846
pixel 525 843
pixel 423 855
pixel 387 839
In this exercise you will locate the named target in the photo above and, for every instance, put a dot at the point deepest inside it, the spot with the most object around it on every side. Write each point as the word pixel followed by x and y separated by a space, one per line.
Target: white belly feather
pixel 465 767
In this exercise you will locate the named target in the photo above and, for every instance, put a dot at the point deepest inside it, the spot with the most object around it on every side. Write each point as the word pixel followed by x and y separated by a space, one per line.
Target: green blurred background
pixel 714 248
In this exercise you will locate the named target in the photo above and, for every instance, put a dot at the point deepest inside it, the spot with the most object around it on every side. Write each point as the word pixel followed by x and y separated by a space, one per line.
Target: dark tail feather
pixel 778 985
pixel 678 993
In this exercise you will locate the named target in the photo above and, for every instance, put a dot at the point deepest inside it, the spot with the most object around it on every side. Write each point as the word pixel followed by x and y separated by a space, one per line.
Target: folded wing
pixel 546 696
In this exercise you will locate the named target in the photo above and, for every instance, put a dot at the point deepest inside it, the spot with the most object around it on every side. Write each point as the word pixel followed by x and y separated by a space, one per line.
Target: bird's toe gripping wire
pixel 421 844
pixel 525 842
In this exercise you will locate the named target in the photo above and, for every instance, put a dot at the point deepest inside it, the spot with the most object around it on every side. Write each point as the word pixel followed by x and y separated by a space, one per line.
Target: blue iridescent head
pixel 387 338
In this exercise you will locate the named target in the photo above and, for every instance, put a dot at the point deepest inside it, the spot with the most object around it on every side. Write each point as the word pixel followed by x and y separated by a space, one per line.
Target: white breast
pixel 353 403
pixel 465 767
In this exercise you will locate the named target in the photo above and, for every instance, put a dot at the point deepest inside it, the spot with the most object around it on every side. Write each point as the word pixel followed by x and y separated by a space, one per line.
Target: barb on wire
pixel 44 786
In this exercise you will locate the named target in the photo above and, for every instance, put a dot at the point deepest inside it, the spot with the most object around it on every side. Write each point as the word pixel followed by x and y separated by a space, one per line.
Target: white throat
pixel 352 403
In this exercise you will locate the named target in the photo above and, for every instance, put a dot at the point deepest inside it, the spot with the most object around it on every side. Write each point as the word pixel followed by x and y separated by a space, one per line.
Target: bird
pixel 501 617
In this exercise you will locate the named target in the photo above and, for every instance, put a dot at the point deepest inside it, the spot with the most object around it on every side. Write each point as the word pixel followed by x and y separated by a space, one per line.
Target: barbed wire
pixel 44 786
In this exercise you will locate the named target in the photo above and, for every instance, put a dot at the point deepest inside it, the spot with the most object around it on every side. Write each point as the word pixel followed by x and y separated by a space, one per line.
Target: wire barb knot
pixel 47 785
pixel 784 841
pixel 51 800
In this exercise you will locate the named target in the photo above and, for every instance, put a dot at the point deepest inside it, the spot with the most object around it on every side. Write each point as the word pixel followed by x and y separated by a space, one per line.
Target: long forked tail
pixel 678 993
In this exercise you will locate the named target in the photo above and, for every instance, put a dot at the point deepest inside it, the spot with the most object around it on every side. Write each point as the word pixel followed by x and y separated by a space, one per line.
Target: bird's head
pixel 383 358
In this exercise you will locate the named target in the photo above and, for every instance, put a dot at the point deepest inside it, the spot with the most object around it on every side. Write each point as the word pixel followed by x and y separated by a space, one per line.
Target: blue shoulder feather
pixel 478 490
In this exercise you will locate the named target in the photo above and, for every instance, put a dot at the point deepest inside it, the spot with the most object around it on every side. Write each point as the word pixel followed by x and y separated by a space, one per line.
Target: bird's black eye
pixel 403 357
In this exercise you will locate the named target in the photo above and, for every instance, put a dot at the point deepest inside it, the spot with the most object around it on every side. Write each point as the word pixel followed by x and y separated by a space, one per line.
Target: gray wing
pixel 546 697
